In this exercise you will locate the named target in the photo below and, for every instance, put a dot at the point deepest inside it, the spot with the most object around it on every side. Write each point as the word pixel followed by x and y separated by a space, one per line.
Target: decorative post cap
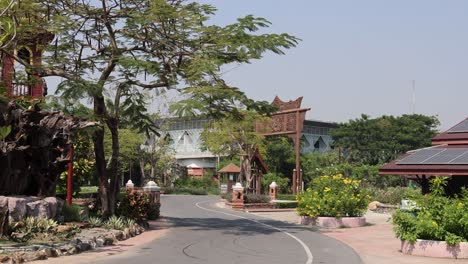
pixel 151 186
pixel 238 187
pixel 273 185
pixel 129 184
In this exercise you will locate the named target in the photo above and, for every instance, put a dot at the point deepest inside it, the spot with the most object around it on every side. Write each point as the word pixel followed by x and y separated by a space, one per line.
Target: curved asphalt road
pixel 201 232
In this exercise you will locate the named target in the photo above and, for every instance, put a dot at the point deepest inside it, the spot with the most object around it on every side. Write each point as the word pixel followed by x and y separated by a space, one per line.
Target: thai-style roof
pixel 193 166
pixel 230 168
pixel 457 134
pixel 447 157
pixel 438 165
pixel 258 160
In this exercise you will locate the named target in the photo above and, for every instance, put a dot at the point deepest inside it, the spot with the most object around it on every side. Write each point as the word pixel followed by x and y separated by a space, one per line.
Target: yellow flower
pixel 327 189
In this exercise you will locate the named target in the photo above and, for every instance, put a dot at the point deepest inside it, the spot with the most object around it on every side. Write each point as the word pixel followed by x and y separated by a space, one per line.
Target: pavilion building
pixel 448 156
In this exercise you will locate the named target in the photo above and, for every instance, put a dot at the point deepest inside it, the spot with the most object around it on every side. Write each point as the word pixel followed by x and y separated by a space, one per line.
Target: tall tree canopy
pixel 374 141
pixel 118 48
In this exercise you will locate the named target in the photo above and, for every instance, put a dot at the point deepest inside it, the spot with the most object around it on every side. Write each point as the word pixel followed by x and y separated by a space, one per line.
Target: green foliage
pixel 333 196
pixel 116 222
pixel 256 198
pixel 436 217
pixel 279 155
pixel 71 213
pixel 95 221
pixel 31 227
pixel 129 146
pixel 4 132
pixel 154 212
pixel 134 205
pixel 379 140
pixel 195 186
pixel 316 164
pixel 286 205
pixel 268 178
pixel 393 195
pixel 289 197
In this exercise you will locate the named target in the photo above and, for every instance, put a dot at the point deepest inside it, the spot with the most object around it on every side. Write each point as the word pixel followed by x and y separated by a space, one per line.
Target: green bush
pixel 186 190
pixel 134 205
pixel 268 178
pixel 256 198
pixel 286 205
pixel 393 195
pixel 436 217
pixel 71 213
pixel 290 197
pixel 333 196
pixel 154 212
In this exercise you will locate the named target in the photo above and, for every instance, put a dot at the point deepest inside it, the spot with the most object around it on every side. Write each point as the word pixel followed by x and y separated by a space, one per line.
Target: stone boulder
pixel 20 207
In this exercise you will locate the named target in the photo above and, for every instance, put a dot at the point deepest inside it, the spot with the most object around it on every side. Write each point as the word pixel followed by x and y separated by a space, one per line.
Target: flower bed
pixel 331 199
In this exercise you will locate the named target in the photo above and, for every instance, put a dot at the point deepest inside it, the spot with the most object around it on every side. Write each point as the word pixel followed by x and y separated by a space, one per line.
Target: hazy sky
pixel 361 56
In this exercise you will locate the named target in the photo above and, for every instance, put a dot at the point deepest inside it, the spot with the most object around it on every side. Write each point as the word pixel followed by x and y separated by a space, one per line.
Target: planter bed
pixel 435 249
pixel 250 206
pixel 333 222
pixel 86 240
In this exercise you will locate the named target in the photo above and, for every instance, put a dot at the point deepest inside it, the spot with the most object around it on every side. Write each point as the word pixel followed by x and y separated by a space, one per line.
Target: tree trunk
pixel 114 165
pixel 142 169
pixel 246 172
pixel 98 140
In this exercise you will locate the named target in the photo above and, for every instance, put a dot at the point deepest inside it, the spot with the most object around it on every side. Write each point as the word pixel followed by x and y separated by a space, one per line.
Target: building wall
pixel 185 140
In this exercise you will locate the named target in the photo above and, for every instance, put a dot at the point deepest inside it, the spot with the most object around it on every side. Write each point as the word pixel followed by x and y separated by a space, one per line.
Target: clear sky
pixel 361 56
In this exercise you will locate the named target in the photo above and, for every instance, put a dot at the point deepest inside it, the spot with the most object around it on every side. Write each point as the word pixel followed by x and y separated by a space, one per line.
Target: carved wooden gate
pixel 289 121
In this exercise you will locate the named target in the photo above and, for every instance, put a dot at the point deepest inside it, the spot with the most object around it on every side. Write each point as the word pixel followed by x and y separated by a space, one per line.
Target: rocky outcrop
pixel 20 207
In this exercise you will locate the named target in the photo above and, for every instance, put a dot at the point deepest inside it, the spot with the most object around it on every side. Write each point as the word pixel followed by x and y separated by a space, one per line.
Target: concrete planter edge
pixel 435 249
pixel 333 222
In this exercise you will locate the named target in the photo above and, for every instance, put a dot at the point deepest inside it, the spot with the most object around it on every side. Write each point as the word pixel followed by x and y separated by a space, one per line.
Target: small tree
pixel 231 136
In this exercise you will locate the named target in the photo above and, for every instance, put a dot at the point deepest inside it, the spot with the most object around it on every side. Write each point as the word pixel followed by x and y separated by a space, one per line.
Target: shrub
pixel 31 227
pixel 268 178
pixel 333 196
pixel 436 217
pixel 154 212
pixel 134 205
pixel 256 198
pixel 393 195
pixel 116 222
pixel 71 213
pixel 286 205
pixel 95 221
pixel 290 197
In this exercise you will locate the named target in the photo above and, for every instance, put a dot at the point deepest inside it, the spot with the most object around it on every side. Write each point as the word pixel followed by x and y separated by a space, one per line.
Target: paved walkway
pixel 376 243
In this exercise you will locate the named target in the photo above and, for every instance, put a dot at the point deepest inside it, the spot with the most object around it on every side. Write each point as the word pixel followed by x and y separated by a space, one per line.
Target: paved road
pixel 201 232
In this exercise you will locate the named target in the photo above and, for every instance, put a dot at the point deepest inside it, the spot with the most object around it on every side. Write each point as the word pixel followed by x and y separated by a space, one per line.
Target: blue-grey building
pixel 185 140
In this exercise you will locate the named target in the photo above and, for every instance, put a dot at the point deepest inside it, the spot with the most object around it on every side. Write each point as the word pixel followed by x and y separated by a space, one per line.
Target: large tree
pixel 374 141
pixel 117 48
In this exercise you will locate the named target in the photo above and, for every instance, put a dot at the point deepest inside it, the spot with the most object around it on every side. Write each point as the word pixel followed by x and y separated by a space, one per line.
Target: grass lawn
pixel 88 189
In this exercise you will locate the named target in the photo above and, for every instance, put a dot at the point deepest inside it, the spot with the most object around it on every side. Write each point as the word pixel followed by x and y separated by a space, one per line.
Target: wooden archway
pixel 289 121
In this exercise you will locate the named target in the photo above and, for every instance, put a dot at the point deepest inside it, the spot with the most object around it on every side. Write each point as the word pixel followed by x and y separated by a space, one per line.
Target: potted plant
pixel 334 201
pixel 437 226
